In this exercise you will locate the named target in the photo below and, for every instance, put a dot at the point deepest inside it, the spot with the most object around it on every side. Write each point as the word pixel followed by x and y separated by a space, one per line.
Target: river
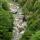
pixel 18 22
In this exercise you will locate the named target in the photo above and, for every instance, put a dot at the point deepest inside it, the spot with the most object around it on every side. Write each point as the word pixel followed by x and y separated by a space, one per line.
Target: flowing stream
pixel 18 22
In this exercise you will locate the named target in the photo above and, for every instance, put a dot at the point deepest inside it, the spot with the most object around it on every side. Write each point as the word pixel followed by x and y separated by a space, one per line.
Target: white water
pixel 18 22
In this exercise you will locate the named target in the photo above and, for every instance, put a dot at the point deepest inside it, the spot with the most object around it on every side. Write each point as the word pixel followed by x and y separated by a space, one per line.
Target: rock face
pixel 13 8
pixel 18 22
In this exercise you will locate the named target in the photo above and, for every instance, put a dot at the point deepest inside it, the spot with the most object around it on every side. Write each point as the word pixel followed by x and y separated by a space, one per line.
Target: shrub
pixel 31 9
pixel 26 36
pixel 36 36
pixel 6 24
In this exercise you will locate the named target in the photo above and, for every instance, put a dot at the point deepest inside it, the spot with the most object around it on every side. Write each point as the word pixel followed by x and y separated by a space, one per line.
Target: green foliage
pixel 6 21
pixel 4 4
pixel 34 23
pixel 6 24
pixel 21 2
pixel 31 6
pixel 31 9
pixel 26 36
pixel 36 36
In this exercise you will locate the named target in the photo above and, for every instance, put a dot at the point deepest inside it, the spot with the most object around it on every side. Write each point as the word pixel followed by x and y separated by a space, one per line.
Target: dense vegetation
pixel 6 21
pixel 31 11
pixel 31 8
